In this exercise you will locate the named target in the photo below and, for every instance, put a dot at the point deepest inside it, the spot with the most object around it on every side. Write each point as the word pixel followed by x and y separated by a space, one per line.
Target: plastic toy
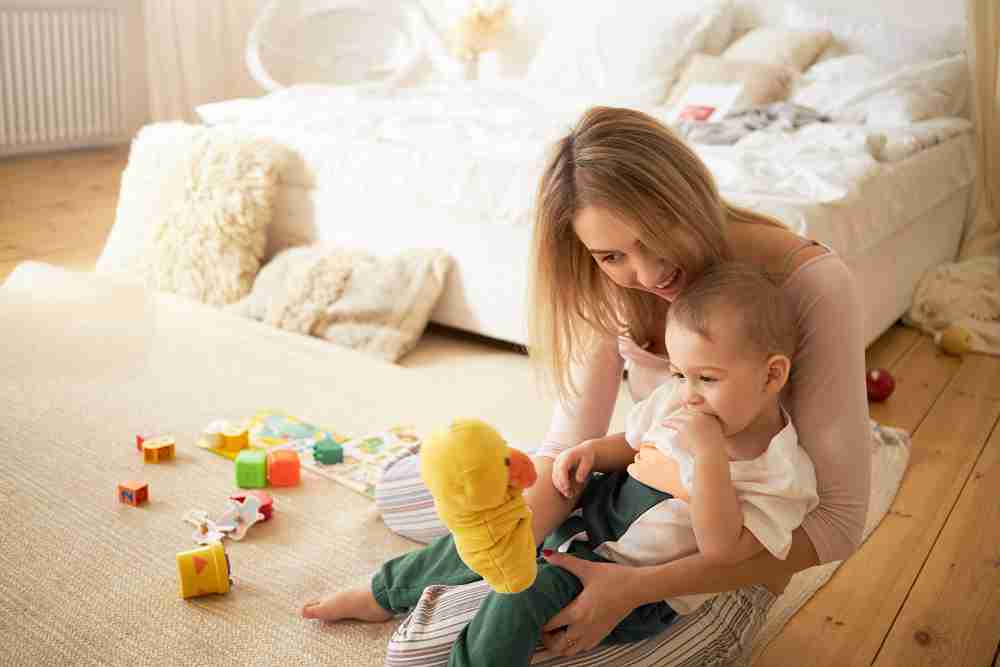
pixel 155 450
pixel 266 503
pixel 206 531
pixel 880 384
pixel 203 571
pixel 283 468
pixel 239 516
pixel 477 481
pixel 138 442
pixel 327 451
pixel 251 469
pixel 235 437
pixel 133 493
pixel 954 340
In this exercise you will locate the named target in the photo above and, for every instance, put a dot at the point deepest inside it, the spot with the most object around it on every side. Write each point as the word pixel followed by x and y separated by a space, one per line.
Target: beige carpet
pixel 89 581
pixel 87 363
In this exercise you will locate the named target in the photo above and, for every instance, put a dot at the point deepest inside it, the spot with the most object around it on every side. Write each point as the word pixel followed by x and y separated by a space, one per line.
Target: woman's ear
pixel 778 368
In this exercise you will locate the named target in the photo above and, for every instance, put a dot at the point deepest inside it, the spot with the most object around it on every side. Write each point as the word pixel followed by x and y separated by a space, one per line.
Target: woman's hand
pixel 595 612
pixel 572 467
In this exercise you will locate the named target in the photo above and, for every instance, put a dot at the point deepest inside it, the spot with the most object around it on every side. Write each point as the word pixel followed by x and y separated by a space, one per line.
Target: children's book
pixel 364 458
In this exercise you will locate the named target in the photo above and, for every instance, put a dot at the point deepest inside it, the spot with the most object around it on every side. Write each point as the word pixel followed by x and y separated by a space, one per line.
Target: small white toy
pixel 234 523
pixel 239 516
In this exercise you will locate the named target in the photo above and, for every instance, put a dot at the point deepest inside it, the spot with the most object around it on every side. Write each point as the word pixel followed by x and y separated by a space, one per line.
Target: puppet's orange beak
pixel 522 472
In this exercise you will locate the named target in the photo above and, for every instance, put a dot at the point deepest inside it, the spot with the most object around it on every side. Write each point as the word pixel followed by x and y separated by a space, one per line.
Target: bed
pixel 451 163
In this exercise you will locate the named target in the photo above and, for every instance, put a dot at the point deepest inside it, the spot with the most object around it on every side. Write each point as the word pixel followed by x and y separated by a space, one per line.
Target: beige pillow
pixel 762 83
pixel 377 305
pixel 780 46
pixel 193 210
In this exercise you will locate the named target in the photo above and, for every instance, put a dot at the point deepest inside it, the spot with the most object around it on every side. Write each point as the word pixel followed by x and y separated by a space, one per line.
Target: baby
pixel 714 451
pixel 718 469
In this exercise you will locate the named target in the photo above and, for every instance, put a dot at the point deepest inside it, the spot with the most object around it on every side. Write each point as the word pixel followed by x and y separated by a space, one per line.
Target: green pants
pixel 507 627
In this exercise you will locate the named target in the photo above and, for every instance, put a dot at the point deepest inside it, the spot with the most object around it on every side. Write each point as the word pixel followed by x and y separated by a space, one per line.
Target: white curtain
pixel 194 54
pixel 983 236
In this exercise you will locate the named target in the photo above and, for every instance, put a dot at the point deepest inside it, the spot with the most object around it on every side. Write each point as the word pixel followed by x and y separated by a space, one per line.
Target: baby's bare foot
pixel 356 603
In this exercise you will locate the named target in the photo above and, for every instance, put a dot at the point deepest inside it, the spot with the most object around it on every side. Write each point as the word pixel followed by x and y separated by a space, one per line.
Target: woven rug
pixel 87 580
pixel 88 363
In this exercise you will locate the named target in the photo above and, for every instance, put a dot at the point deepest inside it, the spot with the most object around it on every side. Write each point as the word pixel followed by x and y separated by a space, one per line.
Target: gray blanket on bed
pixel 737 124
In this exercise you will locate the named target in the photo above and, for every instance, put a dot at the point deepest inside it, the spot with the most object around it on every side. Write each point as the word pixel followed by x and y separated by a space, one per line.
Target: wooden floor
pixel 923 590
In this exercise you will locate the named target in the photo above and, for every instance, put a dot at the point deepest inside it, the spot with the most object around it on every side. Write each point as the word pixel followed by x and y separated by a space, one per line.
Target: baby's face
pixel 720 376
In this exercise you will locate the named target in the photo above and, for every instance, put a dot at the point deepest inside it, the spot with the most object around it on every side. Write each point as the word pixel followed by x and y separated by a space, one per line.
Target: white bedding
pixel 455 166
pixel 475 152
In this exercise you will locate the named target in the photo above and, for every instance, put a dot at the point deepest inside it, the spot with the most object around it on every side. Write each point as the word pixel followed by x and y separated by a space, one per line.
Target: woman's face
pixel 624 258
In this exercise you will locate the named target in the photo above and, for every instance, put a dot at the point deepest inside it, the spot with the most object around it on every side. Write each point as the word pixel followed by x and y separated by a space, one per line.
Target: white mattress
pixel 906 217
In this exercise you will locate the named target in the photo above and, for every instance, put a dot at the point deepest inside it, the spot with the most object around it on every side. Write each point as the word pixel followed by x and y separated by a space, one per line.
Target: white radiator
pixel 61 78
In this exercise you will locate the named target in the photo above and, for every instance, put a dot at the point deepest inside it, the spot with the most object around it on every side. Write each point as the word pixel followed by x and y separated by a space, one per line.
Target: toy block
pixel 327 451
pixel 155 450
pixel 212 434
pixel 283 468
pixel 266 503
pixel 133 493
pixel 251 469
pixel 138 442
pixel 203 570
pixel 235 437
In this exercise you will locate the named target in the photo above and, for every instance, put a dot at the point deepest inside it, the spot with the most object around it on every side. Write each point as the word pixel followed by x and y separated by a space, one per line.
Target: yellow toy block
pixel 236 437
pixel 155 450
pixel 203 570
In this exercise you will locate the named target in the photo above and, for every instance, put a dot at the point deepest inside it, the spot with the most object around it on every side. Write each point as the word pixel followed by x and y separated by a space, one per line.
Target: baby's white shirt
pixel 776 490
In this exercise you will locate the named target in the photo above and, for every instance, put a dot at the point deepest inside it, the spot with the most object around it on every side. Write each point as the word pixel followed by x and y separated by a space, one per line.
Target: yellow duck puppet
pixel 476 480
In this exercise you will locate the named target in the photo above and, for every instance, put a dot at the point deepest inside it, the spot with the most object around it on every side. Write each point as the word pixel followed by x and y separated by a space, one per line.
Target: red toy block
pixel 266 503
pixel 283 467
pixel 138 442
pixel 133 493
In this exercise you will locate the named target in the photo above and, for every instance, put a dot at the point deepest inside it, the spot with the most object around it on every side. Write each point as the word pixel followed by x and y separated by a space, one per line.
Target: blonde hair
pixel 767 322
pixel 630 164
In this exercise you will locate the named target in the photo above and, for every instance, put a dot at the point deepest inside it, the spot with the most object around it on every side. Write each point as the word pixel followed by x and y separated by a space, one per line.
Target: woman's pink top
pixel 825 396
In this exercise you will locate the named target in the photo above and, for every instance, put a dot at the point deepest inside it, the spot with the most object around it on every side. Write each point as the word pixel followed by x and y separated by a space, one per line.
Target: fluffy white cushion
pixel 888 42
pixel 193 210
pixel 350 297
pixel 762 83
pixel 857 89
pixel 780 46
pixel 631 50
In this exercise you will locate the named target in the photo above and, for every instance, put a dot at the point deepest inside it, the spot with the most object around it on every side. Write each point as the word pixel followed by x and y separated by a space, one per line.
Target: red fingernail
pixel 547 552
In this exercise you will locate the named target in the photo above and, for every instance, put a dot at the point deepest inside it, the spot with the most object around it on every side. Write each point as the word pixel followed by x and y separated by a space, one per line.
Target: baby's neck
pixel 753 441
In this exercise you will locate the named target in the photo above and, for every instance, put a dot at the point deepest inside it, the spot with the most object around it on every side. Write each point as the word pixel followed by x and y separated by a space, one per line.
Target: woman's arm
pixel 612 591
pixel 587 417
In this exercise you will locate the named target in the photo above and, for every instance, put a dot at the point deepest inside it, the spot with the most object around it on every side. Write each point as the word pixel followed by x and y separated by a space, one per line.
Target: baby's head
pixel 730 337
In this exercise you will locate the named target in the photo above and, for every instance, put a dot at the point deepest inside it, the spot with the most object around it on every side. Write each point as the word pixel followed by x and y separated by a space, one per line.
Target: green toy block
pixel 327 451
pixel 251 469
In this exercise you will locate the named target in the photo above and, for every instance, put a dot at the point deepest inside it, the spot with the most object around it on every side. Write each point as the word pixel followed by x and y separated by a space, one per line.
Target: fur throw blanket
pixel 194 209
pixel 349 297
pixel 966 294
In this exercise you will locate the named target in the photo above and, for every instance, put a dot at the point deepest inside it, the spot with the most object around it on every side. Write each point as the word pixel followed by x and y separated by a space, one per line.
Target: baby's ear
pixel 778 368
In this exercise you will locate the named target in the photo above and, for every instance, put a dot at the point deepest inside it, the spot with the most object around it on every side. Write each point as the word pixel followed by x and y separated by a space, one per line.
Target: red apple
pixel 880 384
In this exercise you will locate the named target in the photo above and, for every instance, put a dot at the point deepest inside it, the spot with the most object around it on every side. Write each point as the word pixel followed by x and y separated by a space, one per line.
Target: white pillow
pixel 632 49
pixel 762 83
pixel 857 89
pixel 780 46
pixel 889 42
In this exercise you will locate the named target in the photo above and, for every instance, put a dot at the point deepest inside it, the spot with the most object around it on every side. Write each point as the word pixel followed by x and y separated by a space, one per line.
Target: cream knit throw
pixel 349 297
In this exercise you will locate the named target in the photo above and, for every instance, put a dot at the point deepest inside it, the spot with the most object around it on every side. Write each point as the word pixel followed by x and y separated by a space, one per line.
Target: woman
pixel 626 216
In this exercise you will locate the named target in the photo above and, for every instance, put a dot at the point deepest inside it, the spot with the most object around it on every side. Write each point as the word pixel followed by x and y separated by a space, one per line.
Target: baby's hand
pixel 696 431
pixel 572 467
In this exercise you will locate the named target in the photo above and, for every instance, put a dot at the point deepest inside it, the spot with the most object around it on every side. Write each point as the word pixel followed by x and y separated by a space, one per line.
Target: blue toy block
pixel 251 469
pixel 327 451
